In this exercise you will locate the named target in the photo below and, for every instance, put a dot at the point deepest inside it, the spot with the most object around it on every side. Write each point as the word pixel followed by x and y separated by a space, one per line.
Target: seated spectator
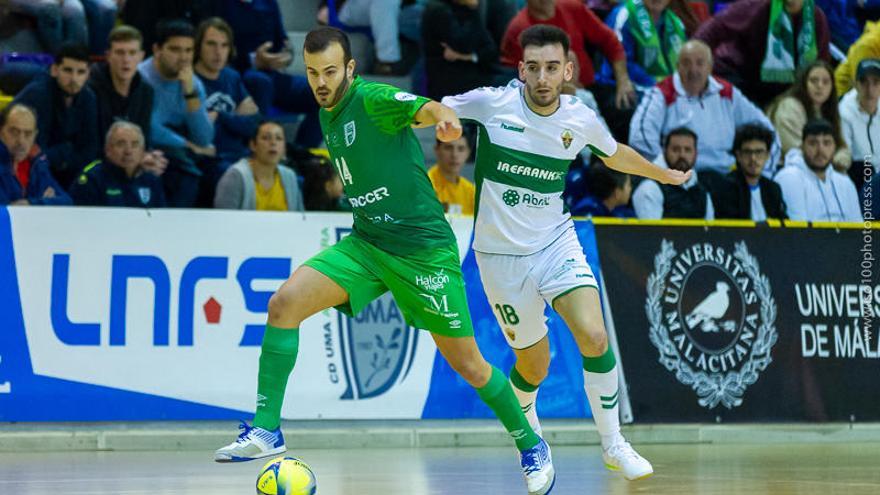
pixel 653 201
pixel 587 32
pixel 57 21
pixel 262 53
pixel 230 107
pixel 744 193
pixel 121 91
pixel 811 97
pixel 455 193
pixel 740 36
pixel 860 122
pixel 260 182
pixel 608 196
pixel 66 113
pixel 866 47
pixel 695 99
pixel 652 36
pixel 812 189
pixel 119 179
pixel 322 188
pixel 460 54
pixel 24 171
pixel 180 126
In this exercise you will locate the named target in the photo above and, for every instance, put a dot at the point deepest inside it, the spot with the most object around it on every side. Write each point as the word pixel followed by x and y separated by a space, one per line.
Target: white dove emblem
pixel 713 307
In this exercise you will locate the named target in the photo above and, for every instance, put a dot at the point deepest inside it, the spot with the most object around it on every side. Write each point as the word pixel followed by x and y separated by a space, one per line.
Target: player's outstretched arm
pixel 628 161
pixel 433 113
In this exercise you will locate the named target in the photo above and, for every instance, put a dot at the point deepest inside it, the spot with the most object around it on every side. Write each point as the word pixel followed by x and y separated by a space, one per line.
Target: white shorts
pixel 520 287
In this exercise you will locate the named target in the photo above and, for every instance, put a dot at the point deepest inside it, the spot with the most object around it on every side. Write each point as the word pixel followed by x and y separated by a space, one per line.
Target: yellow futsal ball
pixel 286 476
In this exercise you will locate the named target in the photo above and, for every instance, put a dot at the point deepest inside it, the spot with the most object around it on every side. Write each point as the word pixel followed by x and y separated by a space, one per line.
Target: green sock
pixel 276 362
pixel 498 395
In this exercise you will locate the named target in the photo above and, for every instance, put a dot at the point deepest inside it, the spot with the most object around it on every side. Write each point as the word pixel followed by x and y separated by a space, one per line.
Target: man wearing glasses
pixel 745 193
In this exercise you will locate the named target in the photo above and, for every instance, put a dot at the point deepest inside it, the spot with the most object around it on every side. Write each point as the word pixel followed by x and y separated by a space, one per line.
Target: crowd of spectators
pixel 175 103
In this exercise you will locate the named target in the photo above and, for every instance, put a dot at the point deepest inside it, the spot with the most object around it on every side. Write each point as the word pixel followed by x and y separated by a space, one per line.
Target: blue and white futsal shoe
pixel 537 467
pixel 253 443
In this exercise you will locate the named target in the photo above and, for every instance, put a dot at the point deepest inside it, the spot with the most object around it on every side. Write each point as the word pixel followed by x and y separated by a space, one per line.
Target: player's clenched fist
pixel 448 130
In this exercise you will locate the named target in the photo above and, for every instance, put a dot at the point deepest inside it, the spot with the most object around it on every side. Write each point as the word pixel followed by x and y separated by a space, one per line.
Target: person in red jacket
pixel 586 32
pixel 24 170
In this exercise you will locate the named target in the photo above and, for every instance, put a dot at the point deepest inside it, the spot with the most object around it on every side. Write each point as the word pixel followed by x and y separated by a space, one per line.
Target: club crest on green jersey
pixel 350 133
pixel 567 138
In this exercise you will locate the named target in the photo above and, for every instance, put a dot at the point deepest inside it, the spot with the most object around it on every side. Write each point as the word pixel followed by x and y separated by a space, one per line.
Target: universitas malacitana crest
pixel 711 315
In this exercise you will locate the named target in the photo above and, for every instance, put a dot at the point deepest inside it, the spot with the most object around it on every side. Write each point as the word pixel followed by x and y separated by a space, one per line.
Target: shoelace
pixel 245 432
pixel 623 450
pixel 531 461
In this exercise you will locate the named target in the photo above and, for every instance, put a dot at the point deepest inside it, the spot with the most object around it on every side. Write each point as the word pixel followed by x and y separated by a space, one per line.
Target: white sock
pixel 527 401
pixel 603 393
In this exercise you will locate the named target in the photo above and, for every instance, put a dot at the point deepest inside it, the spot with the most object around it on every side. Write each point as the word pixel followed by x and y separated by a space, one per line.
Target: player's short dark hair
pixel 602 181
pixel 123 33
pixel 73 51
pixel 262 124
pixel 752 132
pixel 542 35
pixel 818 127
pixel 173 28
pixel 220 25
pixel 680 131
pixel 320 39
pixel 4 114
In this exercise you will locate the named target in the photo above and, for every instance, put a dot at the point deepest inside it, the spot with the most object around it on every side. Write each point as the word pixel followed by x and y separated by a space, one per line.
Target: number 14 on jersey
pixel 342 170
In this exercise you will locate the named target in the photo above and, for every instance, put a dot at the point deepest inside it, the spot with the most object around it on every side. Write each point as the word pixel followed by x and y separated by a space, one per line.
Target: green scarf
pixel 649 52
pixel 779 64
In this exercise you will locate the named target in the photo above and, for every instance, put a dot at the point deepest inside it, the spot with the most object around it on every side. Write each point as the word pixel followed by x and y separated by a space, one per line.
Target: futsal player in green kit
pixel 400 242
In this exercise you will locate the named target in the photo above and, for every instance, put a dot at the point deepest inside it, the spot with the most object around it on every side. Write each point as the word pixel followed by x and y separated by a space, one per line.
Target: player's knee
pixel 591 338
pixel 475 372
pixel 597 339
pixel 282 306
pixel 534 373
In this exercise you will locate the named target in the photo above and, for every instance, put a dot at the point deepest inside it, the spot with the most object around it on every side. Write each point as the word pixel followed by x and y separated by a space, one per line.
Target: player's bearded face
pixel 545 70
pixel 328 75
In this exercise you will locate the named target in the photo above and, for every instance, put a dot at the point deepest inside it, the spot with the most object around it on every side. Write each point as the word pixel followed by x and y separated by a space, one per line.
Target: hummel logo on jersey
pixel 513 128
pixel 371 197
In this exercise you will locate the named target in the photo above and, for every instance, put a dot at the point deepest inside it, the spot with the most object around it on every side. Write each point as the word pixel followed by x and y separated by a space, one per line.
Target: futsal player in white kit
pixel 524 238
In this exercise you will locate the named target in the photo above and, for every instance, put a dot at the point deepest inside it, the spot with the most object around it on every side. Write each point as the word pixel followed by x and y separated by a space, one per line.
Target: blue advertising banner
pixel 117 314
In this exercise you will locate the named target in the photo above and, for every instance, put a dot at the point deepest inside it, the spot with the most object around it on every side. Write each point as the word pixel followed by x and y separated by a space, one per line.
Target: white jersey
pixel 522 160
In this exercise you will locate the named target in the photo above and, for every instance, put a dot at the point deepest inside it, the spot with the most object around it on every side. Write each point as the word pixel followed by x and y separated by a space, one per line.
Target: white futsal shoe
pixel 622 457
pixel 537 466
pixel 252 443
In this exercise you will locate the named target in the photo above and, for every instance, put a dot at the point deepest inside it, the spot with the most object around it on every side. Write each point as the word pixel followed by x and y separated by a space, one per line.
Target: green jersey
pixel 382 168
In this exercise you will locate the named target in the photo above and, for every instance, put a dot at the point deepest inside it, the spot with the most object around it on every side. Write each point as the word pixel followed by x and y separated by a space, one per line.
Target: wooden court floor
pixel 783 469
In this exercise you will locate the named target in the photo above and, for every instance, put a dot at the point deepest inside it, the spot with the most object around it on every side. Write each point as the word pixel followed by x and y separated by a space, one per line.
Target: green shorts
pixel 427 286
